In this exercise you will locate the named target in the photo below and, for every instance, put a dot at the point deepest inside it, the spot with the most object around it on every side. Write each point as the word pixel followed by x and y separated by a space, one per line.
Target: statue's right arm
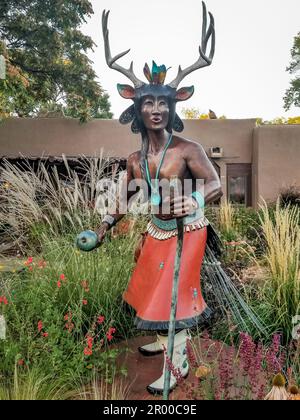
pixel 122 198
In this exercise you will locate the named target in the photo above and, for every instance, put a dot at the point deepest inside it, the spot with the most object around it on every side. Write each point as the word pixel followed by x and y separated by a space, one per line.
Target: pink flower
pixel 62 277
pixel 45 334
pixel 84 302
pixel 59 284
pixel 87 351
pixel 100 319
pixel 30 259
pixel 20 362
pixel 40 326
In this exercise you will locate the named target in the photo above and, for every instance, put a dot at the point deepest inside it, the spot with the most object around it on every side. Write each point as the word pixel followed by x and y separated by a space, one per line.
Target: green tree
pixel 292 95
pixel 46 63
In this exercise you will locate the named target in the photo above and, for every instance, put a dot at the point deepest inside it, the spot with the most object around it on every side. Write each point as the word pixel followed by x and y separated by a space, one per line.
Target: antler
pixel 111 61
pixel 203 60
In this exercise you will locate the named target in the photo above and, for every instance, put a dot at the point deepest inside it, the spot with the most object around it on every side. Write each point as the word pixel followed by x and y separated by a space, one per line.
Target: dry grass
pixel 280 295
pixel 227 222
pixel 102 389
pixel 282 237
pixel 33 385
pixel 31 197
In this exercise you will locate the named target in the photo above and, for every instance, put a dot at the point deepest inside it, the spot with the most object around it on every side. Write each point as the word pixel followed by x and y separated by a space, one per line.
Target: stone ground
pixel 142 370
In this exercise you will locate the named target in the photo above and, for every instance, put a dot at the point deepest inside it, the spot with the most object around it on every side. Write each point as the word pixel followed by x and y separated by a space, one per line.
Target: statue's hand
pixel 101 233
pixel 180 206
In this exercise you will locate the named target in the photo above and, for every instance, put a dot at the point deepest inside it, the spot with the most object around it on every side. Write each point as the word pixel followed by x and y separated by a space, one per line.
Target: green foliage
pixel 55 305
pixel 292 95
pixel 47 68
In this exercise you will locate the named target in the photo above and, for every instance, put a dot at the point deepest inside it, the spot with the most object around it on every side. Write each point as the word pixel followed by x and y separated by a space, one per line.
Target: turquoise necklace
pixel 155 196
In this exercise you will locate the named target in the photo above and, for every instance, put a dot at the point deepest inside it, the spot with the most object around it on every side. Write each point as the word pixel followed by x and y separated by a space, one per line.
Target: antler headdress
pixel 157 76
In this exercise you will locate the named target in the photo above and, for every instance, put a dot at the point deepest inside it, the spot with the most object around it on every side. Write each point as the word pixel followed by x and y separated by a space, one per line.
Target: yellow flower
pixel 202 372
pixel 294 393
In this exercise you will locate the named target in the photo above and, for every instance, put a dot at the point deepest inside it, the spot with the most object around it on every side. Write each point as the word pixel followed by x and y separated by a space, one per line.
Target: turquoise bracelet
pixel 199 198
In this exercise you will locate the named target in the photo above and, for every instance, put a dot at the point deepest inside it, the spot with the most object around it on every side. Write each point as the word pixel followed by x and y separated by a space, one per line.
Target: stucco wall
pixel 276 160
pixel 274 151
pixel 54 136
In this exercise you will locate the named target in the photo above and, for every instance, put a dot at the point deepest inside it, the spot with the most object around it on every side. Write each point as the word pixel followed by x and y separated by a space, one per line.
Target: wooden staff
pixel 171 332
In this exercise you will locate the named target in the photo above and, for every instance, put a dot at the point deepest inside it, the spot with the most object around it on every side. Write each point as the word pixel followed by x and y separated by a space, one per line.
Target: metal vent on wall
pixel 216 152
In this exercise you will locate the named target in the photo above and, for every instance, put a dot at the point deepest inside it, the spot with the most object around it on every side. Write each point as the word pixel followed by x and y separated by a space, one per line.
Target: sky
pixel 248 76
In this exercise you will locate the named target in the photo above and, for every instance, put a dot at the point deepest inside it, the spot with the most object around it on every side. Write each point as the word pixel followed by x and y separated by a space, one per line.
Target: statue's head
pixel 152 97
pixel 155 95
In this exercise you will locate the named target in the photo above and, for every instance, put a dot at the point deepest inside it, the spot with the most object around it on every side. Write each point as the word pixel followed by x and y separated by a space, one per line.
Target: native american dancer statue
pixel 164 155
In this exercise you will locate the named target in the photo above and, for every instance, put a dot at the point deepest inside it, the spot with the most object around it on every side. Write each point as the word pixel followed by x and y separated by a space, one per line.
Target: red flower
pixel 84 302
pixel 111 330
pixel 30 259
pixel 62 277
pixel 100 319
pixel 110 333
pixel 87 351
pixel 42 264
pixel 89 341
pixel 85 285
pixel 3 300
pixel 69 326
pixel 68 316
pixel 20 362
pixel 30 268
pixel 59 284
pixel 40 326
pixel 45 334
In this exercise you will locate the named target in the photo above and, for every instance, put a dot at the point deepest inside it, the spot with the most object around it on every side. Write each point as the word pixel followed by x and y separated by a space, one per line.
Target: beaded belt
pixel 166 229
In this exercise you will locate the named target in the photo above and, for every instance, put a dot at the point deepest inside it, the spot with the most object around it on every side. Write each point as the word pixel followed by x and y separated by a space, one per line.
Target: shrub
pixel 290 196
pixel 281 294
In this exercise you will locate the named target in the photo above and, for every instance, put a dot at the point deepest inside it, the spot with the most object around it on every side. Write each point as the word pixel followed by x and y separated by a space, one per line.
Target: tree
pixel 46 62
pixel 292 95
pixel 195 114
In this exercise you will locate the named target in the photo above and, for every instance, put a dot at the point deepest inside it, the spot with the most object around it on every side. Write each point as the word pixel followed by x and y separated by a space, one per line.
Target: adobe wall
pixel 57 136
pixel 274 151
pixel 276 160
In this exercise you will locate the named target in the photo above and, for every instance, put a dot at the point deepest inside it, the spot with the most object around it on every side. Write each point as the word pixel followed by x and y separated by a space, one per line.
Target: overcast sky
pixel 253 43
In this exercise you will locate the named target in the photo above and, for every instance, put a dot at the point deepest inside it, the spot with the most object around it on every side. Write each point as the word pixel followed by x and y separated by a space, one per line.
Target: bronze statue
pixel 165 156
pixel 165 287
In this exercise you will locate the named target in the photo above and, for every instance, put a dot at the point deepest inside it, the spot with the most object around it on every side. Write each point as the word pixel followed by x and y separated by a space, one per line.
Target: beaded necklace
pixel 155 196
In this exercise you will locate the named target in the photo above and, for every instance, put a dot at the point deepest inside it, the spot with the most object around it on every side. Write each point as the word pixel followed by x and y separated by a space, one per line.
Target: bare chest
pixel 172 165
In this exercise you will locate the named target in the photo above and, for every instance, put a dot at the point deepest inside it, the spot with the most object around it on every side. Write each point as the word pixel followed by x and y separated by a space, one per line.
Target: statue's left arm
pixel 201 168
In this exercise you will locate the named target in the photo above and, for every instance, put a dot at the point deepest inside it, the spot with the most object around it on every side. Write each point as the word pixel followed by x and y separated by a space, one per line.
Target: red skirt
pixel 149 291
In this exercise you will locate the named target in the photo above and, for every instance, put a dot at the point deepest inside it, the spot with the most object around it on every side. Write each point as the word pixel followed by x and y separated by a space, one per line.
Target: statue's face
pixel 155 112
